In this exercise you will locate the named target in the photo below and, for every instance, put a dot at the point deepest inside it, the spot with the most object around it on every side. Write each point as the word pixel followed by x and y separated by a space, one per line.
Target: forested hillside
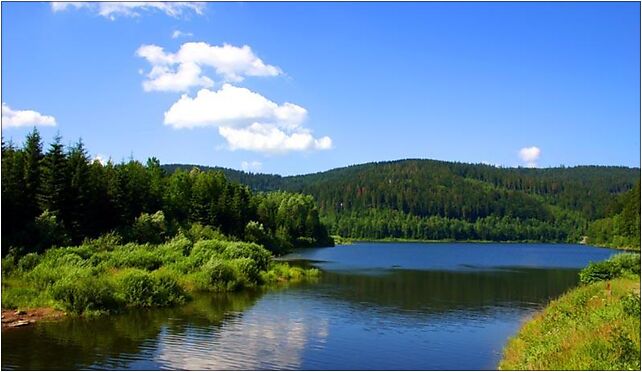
pixel 58 197
pixel 429 199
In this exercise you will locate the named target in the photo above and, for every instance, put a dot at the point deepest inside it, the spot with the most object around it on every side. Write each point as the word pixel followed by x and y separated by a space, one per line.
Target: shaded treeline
pixel 58 196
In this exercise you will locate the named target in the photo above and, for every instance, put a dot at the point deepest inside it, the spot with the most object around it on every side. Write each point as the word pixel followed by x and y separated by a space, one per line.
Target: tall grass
pixel 595 326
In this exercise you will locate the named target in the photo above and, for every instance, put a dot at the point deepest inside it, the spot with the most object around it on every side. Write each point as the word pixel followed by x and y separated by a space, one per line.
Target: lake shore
pixel 592 327
pixel 21 318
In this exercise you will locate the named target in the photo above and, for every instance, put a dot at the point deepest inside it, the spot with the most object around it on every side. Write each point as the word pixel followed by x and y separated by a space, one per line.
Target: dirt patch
pixel 21 318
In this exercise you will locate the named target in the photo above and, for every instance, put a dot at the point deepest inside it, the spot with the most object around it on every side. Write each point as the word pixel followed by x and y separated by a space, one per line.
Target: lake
pixel 399 306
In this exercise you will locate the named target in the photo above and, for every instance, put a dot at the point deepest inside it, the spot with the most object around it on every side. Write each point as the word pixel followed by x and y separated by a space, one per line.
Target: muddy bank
pixel 22 318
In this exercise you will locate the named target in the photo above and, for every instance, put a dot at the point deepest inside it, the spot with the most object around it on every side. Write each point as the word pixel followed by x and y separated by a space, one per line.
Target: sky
pixel 294 88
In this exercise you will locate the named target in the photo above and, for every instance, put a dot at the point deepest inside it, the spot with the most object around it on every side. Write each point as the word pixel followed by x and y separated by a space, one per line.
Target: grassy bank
pixel 595 326
pixel 104 275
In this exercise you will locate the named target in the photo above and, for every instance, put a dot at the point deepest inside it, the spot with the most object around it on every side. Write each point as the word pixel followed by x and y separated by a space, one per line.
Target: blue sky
pixel 323 85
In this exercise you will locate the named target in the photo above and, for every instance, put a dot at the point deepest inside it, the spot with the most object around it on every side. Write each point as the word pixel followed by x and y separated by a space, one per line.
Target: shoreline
pixel 20 318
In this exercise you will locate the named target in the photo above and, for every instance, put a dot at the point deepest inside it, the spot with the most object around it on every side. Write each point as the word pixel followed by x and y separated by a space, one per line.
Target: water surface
pixel 399 306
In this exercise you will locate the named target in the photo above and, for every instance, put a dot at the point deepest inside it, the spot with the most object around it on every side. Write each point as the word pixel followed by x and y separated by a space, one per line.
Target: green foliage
pixel 252 251
pixel 101 277
pixel 219 275
pixel 61 198
pixel 82 291
pixel 137 287
pixel 105 242
pixel 28 262
pixel 593 327
pixel 132 255
pixel 621 229
pixel 625 264
pixel 149 228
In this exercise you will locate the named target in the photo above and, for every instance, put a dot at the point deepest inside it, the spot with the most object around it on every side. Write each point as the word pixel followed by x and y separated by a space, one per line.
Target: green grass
pixel 104 276
pixel 592 327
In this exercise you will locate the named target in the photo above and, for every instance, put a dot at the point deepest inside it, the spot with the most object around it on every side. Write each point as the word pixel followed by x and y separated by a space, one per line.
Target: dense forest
pixel 58 197
pixel 429 199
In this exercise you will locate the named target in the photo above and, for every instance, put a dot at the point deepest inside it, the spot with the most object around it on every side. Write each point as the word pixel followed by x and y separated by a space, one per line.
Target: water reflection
pixel 371 318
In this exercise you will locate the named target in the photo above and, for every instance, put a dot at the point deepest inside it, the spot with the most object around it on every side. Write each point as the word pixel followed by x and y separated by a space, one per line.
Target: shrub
pixel 614 267
pixel 135 256
pixel 631 304
pixel 28 262
pixel 137 288
pixel 149 228
pixel 105 242
pixel 219 275
pixel 248 269
pixel 167 290
pixel 82 292
pixel 253 251
pixel 203 251
pixel 198 232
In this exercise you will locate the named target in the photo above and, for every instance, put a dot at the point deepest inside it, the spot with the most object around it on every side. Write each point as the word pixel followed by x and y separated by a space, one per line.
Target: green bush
pixel 631 304
pixel 28 262
pixel 167 290
pixel 84 292
pixel 248 269
pixel 135 256
pixel 220 275
pixel 253 251
pixel 141 289
pixel 615 267
pixel 137 287
pixel 105 242
pixel 149 228
pixel 198 232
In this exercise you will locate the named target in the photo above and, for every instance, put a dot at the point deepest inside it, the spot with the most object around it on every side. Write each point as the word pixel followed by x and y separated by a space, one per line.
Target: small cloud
pixel 24 118
pixel 178 33
pixel 530 155
pixel 252 166
pixel 111 10
pixel 100 158
pixel 178 72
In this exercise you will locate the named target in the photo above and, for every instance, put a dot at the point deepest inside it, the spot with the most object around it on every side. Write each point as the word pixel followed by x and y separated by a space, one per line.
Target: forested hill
pixel 430 199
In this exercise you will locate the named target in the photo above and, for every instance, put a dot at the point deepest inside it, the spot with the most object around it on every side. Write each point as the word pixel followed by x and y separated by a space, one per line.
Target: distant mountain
pixel 401 196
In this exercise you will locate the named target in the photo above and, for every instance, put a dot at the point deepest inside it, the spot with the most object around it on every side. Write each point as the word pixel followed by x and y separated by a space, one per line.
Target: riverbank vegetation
pixel 595 326
pixel 105 275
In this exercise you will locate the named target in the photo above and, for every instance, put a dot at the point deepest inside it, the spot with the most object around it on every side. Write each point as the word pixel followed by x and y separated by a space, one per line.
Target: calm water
pixel 376 306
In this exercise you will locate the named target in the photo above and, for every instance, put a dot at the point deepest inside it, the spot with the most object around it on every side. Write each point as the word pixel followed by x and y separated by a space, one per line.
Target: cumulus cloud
pixel 178 33
pixel 247 120
pixel 112 10
pixel 530 155
pixel 270 139
pixel 230 62
pixel 24 118
pixel 251 165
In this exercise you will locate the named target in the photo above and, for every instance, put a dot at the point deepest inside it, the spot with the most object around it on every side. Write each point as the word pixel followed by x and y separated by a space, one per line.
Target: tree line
pixel 58 196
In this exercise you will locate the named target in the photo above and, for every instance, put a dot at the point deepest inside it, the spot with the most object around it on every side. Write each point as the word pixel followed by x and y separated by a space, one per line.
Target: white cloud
pixel 100 158
pixel 229 62
pixel 111 10
pixel 232 106
pixel 178 33
pixel 270 139
pixel 530 155
pixel 24 118
pixel 251 165
pixel 247 120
